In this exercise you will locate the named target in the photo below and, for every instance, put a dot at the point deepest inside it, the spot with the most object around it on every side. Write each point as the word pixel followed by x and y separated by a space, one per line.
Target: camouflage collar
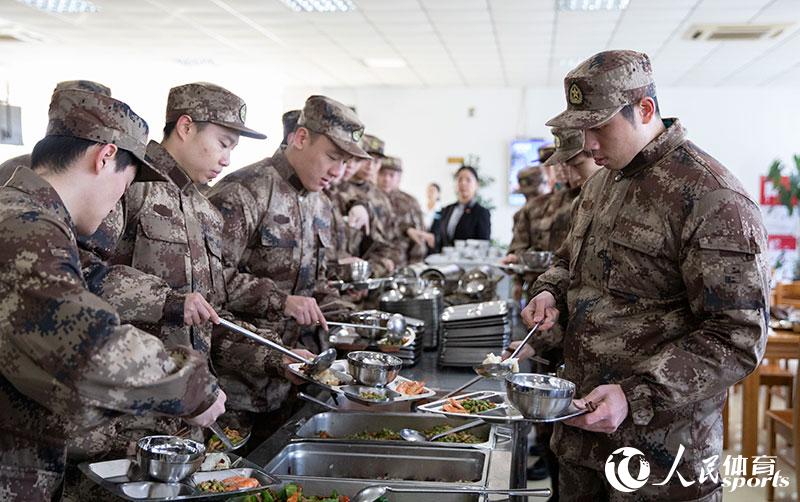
pixel 656 149
pixel 26 180
pixel 287 171
pixel 166 165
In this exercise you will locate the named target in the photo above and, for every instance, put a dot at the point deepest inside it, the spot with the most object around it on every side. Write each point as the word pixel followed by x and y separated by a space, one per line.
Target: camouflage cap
pixel 545 152
pixel 568 142
pixel 83 85
pixel 530 179
pixel 289 120
pixel 339 123
pixel 102 119
pixel 392 163
pixel 600 86
pixel 373 145
pixel 206 102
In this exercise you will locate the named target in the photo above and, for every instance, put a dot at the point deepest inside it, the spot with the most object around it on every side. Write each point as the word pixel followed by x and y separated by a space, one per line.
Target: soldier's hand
pixel 509 259
pixel 526 352
pixel 288 360
pixel 196 310
pixel 542 306
pixel 358 217
pixel 610 409
pixel 305 311
pixel 387 264
pixel 211 414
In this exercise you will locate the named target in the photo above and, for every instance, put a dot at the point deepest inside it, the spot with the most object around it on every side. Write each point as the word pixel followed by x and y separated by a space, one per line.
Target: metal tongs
pixel 499 370
pixel 319 364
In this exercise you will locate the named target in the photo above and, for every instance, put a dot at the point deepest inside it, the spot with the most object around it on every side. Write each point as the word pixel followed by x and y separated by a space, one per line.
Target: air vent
pixel 735 32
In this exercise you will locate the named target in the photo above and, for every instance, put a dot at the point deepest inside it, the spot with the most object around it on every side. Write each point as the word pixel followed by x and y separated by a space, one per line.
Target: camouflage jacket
pixel 66 362
pixel 172 231
pixel 280 233
pixel 665 288
pixel 340 233
pixel 409 215
pixel 382 240
pixel 543 222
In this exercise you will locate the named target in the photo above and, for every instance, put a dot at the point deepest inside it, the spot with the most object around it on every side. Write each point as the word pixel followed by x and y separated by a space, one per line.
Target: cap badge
pixel 357 134
pixel 575 95
pixel 243 113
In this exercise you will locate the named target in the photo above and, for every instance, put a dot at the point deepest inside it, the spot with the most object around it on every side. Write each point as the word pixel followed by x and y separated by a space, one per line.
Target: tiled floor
pixel 742 494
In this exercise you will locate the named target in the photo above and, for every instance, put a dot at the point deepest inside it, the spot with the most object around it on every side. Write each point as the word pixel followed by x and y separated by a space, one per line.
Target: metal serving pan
pixel 340 426
pixel 349 487
pixel 379 462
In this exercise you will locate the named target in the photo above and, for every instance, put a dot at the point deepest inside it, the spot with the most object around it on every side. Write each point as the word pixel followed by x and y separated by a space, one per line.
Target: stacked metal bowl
pixel 426 306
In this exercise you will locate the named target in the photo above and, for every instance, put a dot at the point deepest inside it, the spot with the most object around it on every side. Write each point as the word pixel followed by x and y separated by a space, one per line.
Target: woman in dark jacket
pixel 466 219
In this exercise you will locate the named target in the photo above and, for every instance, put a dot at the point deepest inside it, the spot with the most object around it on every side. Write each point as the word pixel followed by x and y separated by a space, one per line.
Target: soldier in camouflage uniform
pixel 173 232
pixel 66 361
pixel 662 286
pixel 410 221
pixel 377 242
pixel 277 223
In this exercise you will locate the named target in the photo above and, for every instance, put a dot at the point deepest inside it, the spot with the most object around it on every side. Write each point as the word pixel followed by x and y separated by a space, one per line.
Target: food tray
pixel 323 487
pixel 340 427
pixel 475 311
pixel 381 462
pixel 340 366
pixel 503 413
pixel 118 477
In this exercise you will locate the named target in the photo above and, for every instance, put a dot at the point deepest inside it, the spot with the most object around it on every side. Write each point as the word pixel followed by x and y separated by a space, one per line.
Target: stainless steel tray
pixel 503 413
pixel 343 425
pixel 323 487
pixel 117 478
pixel 475 311
pixel 381 462
pixel 340 366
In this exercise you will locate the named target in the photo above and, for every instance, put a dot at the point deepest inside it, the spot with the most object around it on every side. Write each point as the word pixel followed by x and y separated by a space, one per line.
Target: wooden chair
pixel 785 423
pixel 787 294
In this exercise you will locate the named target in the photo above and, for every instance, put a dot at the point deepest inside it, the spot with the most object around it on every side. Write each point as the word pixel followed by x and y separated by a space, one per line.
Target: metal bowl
pixel 539 396
pixel 357 271
pixel 169 458
pixel 409 287
pixel 374 369
pixel 537 259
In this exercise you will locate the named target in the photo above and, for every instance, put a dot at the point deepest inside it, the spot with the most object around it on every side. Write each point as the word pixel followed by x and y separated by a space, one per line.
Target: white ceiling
pixel 444 42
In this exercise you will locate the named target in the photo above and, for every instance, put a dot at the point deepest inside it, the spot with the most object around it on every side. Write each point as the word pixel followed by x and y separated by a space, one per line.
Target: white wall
pixel 31 86
pixel 744 128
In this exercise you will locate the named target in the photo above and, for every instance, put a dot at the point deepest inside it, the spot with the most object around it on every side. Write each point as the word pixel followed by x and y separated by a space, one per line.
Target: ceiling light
pixel 320 5
pixel 62 6
pixel 384 63
pixel 591 5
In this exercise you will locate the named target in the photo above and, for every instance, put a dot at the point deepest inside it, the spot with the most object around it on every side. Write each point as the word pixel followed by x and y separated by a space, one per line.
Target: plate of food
pixel 395 344
pixel 239 439
pixel 336 377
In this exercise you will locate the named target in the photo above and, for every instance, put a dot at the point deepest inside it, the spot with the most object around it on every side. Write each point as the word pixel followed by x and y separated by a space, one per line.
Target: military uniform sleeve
pixel 727 286
pixel 520 240
pixel 66 348
pixel 246 292
pixel 234 353
pixel 556 278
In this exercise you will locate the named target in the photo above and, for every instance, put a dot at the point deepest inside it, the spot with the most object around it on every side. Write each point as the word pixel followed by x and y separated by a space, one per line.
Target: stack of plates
pixel 427 307
pixel 471 331
pixel 412 354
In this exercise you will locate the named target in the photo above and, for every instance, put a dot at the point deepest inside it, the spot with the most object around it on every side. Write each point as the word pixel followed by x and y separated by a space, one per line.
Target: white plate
pixel 503 413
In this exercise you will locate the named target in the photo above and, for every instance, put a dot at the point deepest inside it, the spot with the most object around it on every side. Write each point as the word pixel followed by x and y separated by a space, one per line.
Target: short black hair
pixel 437 187
pixel 467 168
pixel 627 110
pixel 170 126
pixel 56 153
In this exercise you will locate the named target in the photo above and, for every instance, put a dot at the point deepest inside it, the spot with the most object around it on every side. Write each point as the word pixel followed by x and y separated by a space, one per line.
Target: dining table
pixel 781 344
